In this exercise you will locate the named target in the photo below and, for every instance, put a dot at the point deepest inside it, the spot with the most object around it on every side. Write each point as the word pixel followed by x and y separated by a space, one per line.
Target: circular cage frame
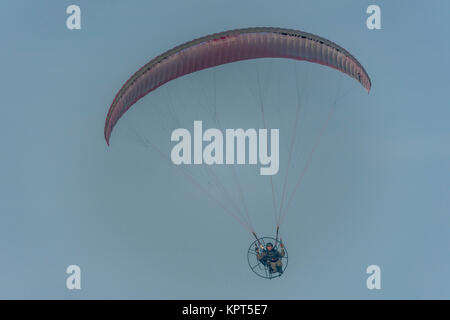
pixel 257 266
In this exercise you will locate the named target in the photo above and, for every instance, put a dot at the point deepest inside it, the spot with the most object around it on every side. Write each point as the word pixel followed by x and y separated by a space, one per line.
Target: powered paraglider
pixel 228 47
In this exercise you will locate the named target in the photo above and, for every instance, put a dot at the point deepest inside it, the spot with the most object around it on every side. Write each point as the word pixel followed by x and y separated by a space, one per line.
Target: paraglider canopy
pixel 231 46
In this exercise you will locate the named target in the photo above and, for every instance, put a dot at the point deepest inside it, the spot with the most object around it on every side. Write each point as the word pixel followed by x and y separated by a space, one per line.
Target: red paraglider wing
pixel 226 47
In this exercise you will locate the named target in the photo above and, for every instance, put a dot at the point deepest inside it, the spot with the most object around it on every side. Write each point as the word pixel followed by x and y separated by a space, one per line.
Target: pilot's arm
pixel 282 253
pixel 260 253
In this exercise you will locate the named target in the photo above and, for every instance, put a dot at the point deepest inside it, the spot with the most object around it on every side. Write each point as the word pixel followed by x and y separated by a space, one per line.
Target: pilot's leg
pixel 279 266
pixel 273 266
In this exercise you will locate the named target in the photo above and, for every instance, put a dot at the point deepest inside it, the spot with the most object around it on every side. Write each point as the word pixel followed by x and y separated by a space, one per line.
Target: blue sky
pixel 377 191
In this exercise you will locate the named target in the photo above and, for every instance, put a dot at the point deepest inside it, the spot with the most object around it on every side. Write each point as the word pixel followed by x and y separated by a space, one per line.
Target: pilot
pixel 271 257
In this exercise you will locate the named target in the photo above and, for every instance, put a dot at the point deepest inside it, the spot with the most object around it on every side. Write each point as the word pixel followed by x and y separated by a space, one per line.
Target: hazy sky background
pixel 377 191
